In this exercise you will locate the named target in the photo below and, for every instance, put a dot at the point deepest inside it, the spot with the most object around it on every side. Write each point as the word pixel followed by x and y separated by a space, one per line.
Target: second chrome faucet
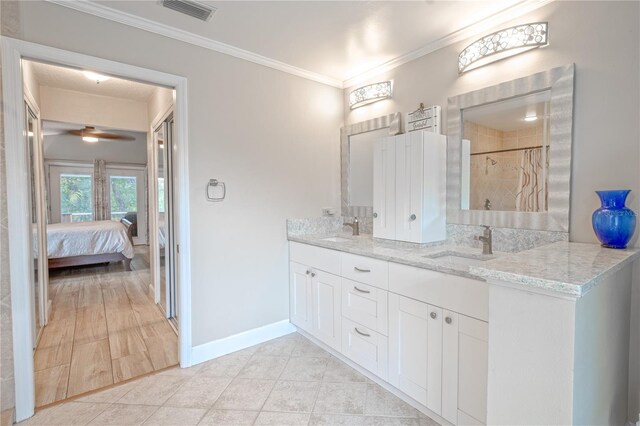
pixel 355 225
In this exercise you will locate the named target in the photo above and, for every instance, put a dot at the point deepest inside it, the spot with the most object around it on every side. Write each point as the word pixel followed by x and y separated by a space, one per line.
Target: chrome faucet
pixel 487 240
pixel 355 225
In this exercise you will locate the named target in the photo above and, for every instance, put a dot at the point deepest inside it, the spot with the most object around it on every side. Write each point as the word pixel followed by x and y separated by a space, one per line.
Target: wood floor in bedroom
pixel 103 329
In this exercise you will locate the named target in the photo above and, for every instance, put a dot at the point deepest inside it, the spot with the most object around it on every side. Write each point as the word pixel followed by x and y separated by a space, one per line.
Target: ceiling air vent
pixel 191 8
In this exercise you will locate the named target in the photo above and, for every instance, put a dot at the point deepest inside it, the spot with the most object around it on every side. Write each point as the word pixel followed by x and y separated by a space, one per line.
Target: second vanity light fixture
pixel 504 43
pixel 370 93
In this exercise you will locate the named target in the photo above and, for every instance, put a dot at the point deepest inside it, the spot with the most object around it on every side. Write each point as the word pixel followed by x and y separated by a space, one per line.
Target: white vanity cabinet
pixel 409 187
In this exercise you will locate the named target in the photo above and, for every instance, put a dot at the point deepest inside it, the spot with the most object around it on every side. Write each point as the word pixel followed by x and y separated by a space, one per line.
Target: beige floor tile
pixel 131 366
pixel 305 348
pixel 90 367
pixel 282 419
pixel 383 403
pixel 229 418
pixel 390 421
pixel 172 416
pixel 263 367
pixel 335 420
pixel 182 372
pixel 281 347
pixel 51 384
pixel 225 366
pixel 163 350
pixel 121 415
pixel 67 414
pixel 199 392
pixel 341 398
pixel 305 369
pixel 338 371
pixel 109 395
pixel 91 324
pixel 153 390
pixel 292 397
pixel 245 394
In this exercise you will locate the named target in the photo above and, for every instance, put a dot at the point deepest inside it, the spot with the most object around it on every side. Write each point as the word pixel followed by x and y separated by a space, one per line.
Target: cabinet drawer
pixel 365 304
pixel 464 295
pixel 366 270
pixel 316 257
pixel 365 347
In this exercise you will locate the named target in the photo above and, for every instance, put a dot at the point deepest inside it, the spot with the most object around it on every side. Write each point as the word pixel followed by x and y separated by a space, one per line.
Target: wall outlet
pixel 328 211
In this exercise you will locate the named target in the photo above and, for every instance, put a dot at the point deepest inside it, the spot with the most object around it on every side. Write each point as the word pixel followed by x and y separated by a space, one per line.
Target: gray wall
pixel 602 38
pixel 272 137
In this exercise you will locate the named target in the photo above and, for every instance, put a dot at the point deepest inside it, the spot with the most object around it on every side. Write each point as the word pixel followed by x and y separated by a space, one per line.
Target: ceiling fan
pixel 91 134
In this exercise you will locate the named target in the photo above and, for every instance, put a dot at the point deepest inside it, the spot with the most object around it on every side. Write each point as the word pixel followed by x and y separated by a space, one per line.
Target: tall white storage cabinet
pixel 409 187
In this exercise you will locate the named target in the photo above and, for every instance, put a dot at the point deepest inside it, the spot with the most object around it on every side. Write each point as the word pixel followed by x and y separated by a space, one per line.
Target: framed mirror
pixel 509 153
pixel 356 168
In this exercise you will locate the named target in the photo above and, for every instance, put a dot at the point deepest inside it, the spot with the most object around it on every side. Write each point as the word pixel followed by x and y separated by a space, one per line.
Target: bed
pixel 88 243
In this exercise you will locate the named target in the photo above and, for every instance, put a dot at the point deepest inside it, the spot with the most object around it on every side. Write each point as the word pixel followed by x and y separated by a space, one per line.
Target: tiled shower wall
pixel 498 182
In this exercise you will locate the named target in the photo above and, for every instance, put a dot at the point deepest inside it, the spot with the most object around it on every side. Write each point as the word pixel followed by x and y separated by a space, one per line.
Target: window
pixel 76 198
pixel 124 196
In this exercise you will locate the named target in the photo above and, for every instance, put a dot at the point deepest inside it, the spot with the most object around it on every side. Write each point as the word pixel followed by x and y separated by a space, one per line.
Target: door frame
pixel 13 51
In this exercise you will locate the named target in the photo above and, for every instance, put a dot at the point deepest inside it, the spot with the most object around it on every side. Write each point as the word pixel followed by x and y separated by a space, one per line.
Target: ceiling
pixel 509 114
pixel 73 79
pixel 336 39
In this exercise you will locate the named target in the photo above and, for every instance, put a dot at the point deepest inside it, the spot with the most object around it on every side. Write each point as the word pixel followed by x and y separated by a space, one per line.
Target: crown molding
pixel 125 18
pixel 513 12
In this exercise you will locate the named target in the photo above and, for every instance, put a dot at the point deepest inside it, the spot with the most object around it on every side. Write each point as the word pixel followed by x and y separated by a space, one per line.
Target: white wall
pixel 70 147
pixel 602 38
pixel 92 110
pixel 159 103
pixel 272 137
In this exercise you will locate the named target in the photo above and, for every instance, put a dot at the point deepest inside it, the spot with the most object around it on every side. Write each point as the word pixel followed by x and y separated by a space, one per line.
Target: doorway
pixel 20 233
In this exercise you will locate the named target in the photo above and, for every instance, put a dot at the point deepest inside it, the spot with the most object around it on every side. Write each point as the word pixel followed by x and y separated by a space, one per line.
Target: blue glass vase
pixel 614 223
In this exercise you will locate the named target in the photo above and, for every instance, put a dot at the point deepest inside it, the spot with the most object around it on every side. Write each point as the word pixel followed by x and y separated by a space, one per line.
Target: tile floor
pixel 286 381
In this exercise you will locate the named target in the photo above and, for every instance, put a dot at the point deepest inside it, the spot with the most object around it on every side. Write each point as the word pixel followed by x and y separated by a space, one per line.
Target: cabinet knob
pixel 434 315
pixel 313 274
pixel 413 217
pixel 375 215
pixel 448 320
pixel 308 272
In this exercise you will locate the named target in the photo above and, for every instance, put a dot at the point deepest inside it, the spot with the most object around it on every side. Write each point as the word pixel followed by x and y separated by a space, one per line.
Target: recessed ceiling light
pixel 90 139
pixel 531 118
pixel 94 76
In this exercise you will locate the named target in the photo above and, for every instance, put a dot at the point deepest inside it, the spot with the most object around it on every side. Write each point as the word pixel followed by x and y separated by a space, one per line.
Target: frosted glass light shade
pixel 501 44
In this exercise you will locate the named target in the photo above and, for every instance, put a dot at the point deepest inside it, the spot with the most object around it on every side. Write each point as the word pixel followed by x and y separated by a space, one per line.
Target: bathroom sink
pixel 336 239
pixel 459 258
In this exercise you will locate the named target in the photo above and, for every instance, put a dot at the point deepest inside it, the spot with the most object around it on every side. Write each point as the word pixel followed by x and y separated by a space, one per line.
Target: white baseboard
pixel 227 345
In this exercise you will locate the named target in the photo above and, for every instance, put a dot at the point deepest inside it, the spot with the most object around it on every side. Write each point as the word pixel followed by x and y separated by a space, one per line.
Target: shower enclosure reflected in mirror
pixel 505 154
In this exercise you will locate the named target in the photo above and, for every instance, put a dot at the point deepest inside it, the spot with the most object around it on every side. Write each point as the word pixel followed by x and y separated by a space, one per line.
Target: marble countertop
pixel 570 269
pixel 563 267
pixel 403 253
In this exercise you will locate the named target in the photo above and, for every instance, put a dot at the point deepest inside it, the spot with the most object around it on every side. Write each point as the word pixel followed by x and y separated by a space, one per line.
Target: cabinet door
pixel 408 341
pixel 327 313
pixel 409 186
pixel 384 188
pixel 300 296
pixel 465 369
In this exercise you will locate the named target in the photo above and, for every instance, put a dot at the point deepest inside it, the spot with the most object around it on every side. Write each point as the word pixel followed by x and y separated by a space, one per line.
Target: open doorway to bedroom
pixel 104 284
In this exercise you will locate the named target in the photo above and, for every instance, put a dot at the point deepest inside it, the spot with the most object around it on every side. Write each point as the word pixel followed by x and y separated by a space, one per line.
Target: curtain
pixel 100 191
pixel 531 195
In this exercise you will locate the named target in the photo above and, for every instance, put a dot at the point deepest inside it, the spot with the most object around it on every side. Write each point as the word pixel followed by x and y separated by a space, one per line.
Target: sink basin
pixel 462 259
pixel 336 239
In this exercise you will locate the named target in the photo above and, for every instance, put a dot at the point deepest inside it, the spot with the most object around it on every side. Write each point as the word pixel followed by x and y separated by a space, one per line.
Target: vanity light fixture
pixel 94 76
pixel 90 139
pixel 370 93
pixel 502 44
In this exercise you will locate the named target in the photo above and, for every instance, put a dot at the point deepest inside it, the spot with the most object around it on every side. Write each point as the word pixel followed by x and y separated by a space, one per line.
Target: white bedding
pixel 87 238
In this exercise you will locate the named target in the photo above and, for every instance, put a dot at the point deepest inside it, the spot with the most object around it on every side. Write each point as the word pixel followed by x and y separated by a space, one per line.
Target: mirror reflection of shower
pixel 486 164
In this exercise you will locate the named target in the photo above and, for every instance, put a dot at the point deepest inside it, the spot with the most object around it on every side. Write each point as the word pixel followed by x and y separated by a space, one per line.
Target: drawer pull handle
pixel 360 290
pixel 361 333
pixel 434 315
pixel 448 320
pixel 361 270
